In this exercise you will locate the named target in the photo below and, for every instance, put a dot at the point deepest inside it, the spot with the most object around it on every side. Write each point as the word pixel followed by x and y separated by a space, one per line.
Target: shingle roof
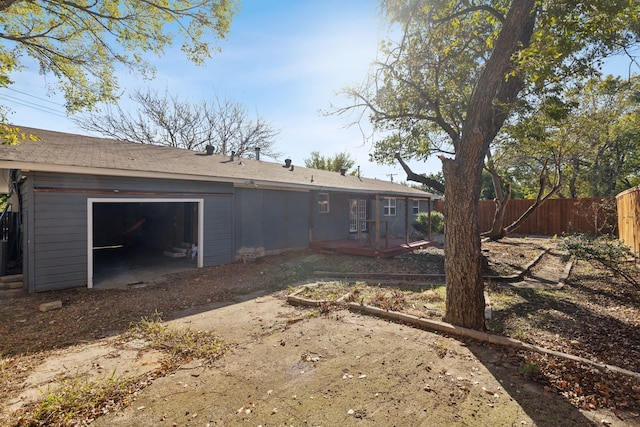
pixel 57 151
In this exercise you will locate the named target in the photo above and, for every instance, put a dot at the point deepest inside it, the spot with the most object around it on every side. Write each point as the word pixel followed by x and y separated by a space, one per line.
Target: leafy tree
pixel 606 130
pixel 166 120
pixel 82 43
pixel 451 81
pixel 593 133
pixel 331 163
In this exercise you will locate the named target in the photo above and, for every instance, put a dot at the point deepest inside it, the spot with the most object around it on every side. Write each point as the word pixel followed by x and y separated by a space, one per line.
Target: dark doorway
pixel 136 241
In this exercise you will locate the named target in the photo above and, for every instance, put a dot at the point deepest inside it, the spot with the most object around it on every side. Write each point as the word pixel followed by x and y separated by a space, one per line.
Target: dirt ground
pixel 298 366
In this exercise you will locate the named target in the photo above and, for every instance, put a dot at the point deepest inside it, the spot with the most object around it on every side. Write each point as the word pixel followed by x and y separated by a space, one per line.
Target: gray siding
pixel 59 243
pixel 55 222
pixel 218 230
pixel 333 225
pixel 396 222
pixel 271 219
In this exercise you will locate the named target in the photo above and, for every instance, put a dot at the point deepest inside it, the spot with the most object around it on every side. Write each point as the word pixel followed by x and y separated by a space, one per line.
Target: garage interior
pixel 138 242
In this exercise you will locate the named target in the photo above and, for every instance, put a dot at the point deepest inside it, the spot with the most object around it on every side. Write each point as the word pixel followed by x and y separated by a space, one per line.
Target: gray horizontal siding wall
pixel 55 222
pixel 271 219
pixel 334 224
pixel 218 230
pixel 59 241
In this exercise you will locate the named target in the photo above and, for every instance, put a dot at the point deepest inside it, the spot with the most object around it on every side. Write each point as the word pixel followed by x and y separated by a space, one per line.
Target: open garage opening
pixel 139 241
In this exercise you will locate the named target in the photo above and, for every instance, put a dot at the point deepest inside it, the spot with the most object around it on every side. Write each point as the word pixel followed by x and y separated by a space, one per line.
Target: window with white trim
pixel 416 207
pixel 323 202
pixel 362 215
pixel 389 206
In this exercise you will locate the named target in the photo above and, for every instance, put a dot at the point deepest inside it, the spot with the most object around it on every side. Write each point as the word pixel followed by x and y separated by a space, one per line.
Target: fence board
pixel 553 217
pixel 629 217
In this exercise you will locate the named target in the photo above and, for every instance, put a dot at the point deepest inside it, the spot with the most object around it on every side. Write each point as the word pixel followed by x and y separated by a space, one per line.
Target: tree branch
pixel 411 176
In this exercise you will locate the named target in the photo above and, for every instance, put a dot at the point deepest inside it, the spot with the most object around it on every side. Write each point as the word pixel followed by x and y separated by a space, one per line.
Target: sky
pixel 285 61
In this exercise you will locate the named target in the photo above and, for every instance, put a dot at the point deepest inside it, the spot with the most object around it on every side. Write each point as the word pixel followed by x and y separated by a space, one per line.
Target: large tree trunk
pixel 462 261
pixel 485 116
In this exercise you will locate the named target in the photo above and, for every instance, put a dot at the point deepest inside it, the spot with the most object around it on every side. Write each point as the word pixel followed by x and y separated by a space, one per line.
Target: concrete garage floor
pixel 115 269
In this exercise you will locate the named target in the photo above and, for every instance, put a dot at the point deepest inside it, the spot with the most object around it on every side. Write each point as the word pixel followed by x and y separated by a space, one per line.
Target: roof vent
pixel 343 171
pixel 210 149
pixel 233 155
pixel 291 168
pixel 257 153
pixel 287 163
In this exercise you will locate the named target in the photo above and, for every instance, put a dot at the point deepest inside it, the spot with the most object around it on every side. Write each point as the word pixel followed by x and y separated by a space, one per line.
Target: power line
pixel 33 96
pixel 37 107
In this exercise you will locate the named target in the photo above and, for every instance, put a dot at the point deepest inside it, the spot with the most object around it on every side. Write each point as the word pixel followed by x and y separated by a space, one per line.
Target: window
pixel 389 206
pixel 323 202
pixel 362 215
pixel 357 215
pixel 416 207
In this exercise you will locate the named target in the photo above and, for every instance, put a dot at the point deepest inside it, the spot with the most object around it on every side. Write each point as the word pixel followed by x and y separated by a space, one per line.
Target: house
pixel 86 204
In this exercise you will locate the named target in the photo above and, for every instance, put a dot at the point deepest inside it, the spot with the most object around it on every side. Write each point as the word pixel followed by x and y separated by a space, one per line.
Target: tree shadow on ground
pixel 577 321
pixel 577 328
pixel 543 407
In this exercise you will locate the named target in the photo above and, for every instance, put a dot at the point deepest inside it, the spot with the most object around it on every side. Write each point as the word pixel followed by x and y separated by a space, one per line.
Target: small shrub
pixel 530 370
pixel 422 222
pixel 603 251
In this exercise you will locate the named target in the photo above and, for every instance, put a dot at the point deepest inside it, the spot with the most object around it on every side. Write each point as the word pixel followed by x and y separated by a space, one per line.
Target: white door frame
pixel 91 201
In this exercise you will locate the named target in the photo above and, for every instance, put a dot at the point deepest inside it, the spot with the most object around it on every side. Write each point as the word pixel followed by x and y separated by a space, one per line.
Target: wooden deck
pixel 357 247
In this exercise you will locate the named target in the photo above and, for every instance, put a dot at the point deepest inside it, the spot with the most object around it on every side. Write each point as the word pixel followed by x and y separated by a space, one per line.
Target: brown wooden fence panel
pixel 629 217
pixel 553 217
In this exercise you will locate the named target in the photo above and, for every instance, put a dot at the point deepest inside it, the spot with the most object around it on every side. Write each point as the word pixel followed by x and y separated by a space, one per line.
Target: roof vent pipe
pixel 233 155
pixel 287 163
pixel 257 153
pixel 343 171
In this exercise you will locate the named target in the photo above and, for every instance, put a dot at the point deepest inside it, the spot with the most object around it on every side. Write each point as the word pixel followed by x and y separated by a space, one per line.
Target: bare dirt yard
pixel 231 350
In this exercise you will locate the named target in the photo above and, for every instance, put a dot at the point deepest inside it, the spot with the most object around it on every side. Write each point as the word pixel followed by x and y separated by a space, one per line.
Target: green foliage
pixel 336 163
pixel 82 43
pixel 12 135
pixel 422 222
pixel 591 132
pixel 530 370
pixel 604 252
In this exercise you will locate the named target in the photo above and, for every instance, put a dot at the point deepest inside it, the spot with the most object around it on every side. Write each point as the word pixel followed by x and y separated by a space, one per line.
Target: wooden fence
pixel 553 217
pixel 629 217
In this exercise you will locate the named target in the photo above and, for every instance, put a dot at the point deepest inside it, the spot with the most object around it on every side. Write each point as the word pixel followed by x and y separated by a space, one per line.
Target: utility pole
pixel 391 175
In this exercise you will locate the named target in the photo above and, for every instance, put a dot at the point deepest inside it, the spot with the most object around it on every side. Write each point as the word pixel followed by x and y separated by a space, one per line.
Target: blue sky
pixel 284 60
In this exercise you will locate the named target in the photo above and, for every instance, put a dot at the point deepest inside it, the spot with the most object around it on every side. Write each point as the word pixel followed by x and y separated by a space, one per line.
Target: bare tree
pixel 164 119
